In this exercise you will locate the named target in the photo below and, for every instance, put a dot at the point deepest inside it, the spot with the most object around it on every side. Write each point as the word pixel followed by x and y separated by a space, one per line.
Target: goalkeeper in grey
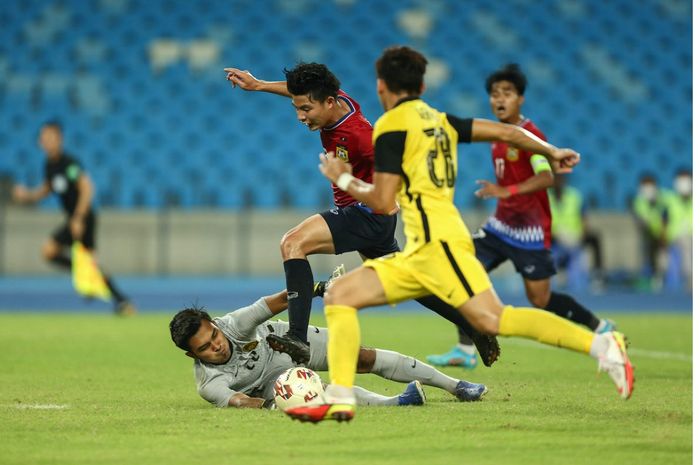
pixel 234 366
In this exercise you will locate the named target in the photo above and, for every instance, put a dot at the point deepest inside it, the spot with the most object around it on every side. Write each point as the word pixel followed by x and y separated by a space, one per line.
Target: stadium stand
pixel 140 89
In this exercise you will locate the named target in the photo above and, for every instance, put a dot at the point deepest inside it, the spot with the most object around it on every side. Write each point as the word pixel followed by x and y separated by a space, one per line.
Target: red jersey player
pixel 349 225
pixel 520 229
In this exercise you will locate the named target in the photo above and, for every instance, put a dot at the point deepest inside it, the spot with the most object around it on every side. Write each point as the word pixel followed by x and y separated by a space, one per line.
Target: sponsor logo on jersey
pixel 512 154
pixel 59 184
pixel 342 153
pixel 250 346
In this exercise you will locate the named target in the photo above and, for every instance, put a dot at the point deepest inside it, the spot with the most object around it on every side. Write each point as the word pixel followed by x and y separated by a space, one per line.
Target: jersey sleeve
pixel 388 152
pixel 244 321
pixel 463 126
pixel 73 171
pixel 212 386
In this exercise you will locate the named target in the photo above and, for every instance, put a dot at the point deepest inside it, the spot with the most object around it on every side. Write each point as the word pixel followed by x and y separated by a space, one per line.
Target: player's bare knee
pixel 332 295
pixel 49 251
pixel 486 322
pixel 490 327
pixel 338 294
pixel 366 359
pixel 291 245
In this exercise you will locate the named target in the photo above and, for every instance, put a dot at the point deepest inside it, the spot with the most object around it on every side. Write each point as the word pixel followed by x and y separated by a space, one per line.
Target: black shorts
pixel 531 264
pixel 63 236
pixel 356 229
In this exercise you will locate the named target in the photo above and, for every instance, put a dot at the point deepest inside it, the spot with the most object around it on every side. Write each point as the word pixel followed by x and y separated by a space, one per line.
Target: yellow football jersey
pixel 427 143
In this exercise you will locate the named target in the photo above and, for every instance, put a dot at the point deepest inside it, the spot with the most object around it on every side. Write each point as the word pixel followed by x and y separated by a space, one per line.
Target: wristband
pixel 513 189
pixel 344 180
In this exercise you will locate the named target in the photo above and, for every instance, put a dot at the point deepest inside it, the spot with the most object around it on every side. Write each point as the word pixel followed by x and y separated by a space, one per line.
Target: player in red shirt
pixel 520 229
pixel 349 225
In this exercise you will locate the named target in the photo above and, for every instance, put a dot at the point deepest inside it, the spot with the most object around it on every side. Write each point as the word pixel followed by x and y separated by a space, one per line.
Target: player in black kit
pixel 65 177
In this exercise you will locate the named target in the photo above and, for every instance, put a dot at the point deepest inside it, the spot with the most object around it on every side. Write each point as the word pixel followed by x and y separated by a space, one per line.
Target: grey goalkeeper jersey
pixel 253 366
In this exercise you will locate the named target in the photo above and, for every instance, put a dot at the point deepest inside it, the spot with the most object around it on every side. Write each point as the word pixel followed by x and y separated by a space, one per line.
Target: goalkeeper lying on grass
pixel 235 367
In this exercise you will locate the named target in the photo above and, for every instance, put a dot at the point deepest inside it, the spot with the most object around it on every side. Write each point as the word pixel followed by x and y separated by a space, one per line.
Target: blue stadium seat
pixel 121 117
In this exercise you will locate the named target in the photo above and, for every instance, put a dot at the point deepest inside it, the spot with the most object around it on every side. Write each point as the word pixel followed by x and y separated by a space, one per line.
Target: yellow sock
pixel 343 343
pixel 544 327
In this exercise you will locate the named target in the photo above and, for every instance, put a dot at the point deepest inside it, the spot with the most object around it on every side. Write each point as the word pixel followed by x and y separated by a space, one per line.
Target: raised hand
pixel 332 167
pixel 489 190
pixel 564 160
pixel 242 79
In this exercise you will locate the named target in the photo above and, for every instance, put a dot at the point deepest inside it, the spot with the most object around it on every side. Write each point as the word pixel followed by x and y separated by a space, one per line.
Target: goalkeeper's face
pixel 314 114
pixel 209 344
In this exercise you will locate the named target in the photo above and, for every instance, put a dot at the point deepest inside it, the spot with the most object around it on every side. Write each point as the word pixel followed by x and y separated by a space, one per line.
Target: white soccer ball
pixel 297 386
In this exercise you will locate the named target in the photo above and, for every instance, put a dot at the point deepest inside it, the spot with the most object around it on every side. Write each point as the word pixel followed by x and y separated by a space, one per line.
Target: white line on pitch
pixel 40 406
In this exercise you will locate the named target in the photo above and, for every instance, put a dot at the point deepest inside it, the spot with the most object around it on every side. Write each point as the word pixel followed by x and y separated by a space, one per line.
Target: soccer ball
pixel 297 386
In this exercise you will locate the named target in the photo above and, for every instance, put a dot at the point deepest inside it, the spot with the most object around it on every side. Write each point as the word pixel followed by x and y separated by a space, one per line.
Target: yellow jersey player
pixel 416 162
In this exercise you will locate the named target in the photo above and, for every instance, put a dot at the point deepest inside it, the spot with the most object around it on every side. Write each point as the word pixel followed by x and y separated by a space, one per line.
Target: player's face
pixel 314 114
pixel 505 102
pixel 209 344
pixel 50 140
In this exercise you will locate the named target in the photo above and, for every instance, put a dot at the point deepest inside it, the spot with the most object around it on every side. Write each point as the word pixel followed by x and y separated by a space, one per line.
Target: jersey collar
pixel 406 99
pixel 345 116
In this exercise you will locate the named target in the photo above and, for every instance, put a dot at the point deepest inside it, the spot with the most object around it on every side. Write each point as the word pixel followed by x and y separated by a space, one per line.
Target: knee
pixel 366 359
pixel 291 244
pixel 49 251
pixel 333 295
pixel 487 324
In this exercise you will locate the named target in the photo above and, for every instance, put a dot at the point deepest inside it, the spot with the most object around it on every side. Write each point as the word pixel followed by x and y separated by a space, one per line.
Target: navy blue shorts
pixel 356 229
pixel 531 264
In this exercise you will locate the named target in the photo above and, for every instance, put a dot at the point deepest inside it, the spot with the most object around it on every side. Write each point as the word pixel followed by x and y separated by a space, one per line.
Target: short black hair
pixel 647 177
pixel 511 73
pixel 185 324
pixel 313 79
pixel 402 69
pixel 53 123
pixel 684 171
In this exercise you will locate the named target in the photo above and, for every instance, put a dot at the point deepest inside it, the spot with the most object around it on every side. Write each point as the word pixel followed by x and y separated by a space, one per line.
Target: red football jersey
pixel 351 140
pixel 523 220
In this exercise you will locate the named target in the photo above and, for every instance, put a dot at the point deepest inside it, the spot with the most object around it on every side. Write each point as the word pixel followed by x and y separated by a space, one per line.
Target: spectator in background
pixel 680 231
pixel 651 212
pixel 66 177
pixel 571 235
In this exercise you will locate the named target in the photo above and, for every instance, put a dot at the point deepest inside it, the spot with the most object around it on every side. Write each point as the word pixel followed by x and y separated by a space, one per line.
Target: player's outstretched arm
pixel 563 160
pixel 240 400
pixel 538 182
pixel 21 194
pixel 277 303
pixel 246 81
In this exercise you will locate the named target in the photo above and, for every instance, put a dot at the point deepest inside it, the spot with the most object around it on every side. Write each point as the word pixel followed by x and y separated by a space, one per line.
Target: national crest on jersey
pixel 522 220
pixel 342 153
pixel 351 139
pixel 512 154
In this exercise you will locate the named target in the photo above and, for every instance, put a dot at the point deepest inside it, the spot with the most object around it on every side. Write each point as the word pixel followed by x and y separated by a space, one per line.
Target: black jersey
pixel 62 176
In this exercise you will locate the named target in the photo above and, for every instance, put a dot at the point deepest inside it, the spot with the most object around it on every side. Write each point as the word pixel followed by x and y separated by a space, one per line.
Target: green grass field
pixel 93 389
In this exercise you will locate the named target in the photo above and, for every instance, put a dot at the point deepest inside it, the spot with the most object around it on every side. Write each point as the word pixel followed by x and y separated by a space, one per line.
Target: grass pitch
pixel 96 389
